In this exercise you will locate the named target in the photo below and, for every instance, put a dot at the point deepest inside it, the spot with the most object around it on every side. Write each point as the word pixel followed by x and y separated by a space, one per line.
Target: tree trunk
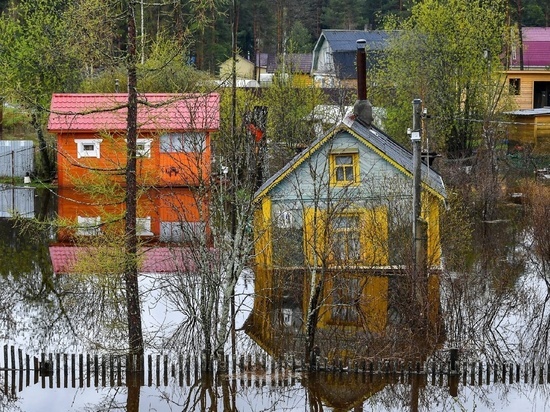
pixel 43 147
pixel 135 335
pixel 313 315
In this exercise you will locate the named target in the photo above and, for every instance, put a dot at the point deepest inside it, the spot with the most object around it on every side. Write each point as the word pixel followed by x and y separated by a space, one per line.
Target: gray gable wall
pixel 350 133
pixel 310 180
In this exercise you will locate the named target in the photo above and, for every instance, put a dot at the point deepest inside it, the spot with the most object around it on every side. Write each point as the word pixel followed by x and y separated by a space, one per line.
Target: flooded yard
pixel 493 314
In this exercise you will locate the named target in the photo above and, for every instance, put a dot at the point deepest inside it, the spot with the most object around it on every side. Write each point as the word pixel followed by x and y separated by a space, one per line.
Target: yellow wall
pixel 262 234
pixel 527 82
pixel 431 208
pixel 245 68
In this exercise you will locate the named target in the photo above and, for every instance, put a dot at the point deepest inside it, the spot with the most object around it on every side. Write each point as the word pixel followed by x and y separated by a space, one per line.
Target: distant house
pixel 333 63
pixel 340 210
pixel 173 136
pixel 298 65
pixel 261 65
pixel 536 49
pixel 530 89
pixel 244 68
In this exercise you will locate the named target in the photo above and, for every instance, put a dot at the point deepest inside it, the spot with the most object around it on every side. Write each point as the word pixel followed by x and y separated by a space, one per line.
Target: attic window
pixel 87 147
pixel 344 168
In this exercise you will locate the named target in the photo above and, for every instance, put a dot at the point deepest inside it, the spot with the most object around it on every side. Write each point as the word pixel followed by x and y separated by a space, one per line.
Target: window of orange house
pixel 88 147
pixel 189 142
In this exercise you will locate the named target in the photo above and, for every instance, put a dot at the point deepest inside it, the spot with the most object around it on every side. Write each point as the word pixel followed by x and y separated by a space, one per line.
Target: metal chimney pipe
pixel 361 70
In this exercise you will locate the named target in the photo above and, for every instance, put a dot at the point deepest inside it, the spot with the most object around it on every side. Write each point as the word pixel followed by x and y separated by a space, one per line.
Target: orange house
pixel 173 145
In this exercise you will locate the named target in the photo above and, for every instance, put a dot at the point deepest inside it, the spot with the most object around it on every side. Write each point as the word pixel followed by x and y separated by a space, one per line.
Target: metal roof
pixel 156 111
pixel 346 40
pixel 536 47
pixel 396 152
pixel 294 62
pixel 541 111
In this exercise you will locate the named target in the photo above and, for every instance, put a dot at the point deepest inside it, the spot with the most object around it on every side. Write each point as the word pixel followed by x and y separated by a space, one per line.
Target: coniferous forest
pixel 264 26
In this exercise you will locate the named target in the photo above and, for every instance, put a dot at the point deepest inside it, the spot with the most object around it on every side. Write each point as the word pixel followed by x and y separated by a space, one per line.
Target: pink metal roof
pixel 536 33
pixel 154 260
pixel 156 111
pixel 536 47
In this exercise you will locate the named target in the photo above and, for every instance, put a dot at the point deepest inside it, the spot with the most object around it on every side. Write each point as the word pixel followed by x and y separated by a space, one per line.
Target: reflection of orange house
pixel 173 136
pixel 169 221
pixel 164 215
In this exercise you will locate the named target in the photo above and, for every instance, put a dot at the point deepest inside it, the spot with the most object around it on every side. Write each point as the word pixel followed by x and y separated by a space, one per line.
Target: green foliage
pixel 300 41
pixel 91 32
pixel 16 122
pixel 165 70
pixel 34 63
pixel 343 14
pixel 288 110
pixel 447 54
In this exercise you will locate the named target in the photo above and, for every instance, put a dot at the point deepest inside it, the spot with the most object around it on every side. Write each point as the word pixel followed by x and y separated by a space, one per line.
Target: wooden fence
pixel 20 370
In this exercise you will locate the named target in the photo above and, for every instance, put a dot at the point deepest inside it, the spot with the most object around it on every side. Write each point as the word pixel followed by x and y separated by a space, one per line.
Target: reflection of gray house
pixel 334 55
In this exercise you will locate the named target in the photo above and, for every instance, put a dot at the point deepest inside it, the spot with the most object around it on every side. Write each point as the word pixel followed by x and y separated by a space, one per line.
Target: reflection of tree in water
pixel 55 312
pixel 493 305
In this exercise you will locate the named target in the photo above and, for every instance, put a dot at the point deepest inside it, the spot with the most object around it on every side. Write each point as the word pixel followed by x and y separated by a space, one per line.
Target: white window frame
pixel 146 151
pixel 82 152
pixel 143 226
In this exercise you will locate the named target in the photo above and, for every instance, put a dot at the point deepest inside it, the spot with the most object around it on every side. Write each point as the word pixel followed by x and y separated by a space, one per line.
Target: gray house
pixel 334 55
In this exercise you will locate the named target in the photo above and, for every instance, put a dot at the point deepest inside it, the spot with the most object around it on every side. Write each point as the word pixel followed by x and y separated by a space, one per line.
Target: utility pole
pixel 419 226
pixel 419 278
pixel 416 137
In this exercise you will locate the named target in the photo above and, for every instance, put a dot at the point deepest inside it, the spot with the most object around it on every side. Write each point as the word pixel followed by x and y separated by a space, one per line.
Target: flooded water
pixel 493 309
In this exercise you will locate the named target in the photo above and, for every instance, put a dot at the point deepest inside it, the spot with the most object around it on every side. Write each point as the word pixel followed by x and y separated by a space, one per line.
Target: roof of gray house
pixel 346 40
pixel 371 135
